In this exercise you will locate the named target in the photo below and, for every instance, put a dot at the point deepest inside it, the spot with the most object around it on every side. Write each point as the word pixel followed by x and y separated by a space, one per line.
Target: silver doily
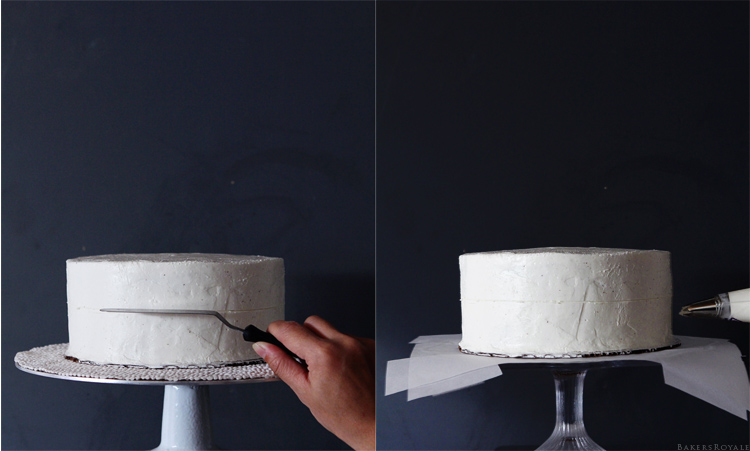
pixel 577 355
pixel 50 361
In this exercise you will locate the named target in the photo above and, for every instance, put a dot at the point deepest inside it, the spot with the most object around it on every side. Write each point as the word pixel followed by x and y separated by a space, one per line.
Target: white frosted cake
pixel 244 289
pixel 565 302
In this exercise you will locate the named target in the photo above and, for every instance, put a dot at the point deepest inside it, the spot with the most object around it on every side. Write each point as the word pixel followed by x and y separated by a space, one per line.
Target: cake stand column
pixel 569 432
pixel 186 418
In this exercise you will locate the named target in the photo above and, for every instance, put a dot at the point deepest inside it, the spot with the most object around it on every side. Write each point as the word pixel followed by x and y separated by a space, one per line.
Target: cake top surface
pixel 173 258
pixel 567 250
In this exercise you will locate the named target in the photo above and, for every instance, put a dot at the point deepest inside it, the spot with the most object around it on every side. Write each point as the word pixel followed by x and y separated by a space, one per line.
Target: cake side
pixel 244 289
pixel 565 301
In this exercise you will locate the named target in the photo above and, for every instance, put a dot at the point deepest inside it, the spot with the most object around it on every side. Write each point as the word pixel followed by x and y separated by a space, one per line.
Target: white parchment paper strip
pixel 396 376
pixel 439 364
pixel 708 368
pixel 713 372
pixel 454 383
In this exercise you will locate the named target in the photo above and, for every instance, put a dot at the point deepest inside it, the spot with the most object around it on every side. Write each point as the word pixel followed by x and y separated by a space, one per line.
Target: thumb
pixel 285 367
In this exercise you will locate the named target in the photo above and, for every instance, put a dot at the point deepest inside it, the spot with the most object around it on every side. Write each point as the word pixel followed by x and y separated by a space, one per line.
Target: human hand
pixel 338 385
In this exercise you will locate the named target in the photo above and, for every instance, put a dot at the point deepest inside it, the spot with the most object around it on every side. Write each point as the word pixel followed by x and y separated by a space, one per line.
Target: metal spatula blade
pixel 176 312
pixel 249 333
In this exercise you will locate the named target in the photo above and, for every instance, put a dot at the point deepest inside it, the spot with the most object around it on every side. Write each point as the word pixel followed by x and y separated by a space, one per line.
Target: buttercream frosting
pixel 565 301
pixel 244 289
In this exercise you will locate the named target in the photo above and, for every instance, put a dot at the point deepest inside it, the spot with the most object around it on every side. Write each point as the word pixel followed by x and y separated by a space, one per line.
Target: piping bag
pixel 250 333
pixel 733 306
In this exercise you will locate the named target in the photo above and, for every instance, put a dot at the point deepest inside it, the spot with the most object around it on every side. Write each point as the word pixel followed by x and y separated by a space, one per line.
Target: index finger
pixel 322 327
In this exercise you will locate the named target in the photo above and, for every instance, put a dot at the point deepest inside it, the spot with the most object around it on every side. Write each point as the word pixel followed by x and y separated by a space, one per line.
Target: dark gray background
pixel 508 125
pixel 231 127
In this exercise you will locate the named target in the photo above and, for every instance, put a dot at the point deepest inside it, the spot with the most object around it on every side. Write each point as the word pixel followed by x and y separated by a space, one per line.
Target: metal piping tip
pixel 710 308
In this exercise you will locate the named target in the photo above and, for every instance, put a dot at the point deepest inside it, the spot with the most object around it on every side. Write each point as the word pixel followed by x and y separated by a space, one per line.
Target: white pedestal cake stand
pixel 186 417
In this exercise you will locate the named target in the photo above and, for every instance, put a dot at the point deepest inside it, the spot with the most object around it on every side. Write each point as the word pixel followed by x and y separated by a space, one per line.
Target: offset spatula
pixel 250 333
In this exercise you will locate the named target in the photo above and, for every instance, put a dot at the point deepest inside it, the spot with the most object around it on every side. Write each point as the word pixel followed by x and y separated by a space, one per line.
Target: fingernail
pixel 260 348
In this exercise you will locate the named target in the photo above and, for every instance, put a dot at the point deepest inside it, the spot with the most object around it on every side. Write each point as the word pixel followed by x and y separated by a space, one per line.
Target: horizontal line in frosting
pixel 96 309
pixel 549 301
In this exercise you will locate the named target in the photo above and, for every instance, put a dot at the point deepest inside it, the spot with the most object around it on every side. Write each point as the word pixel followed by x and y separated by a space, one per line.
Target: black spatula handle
pixel 253 334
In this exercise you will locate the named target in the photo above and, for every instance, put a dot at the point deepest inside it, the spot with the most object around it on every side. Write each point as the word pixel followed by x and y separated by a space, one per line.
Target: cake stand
pixel 186 417
pixel 437 365
pixel 569 372
pixel 569 432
